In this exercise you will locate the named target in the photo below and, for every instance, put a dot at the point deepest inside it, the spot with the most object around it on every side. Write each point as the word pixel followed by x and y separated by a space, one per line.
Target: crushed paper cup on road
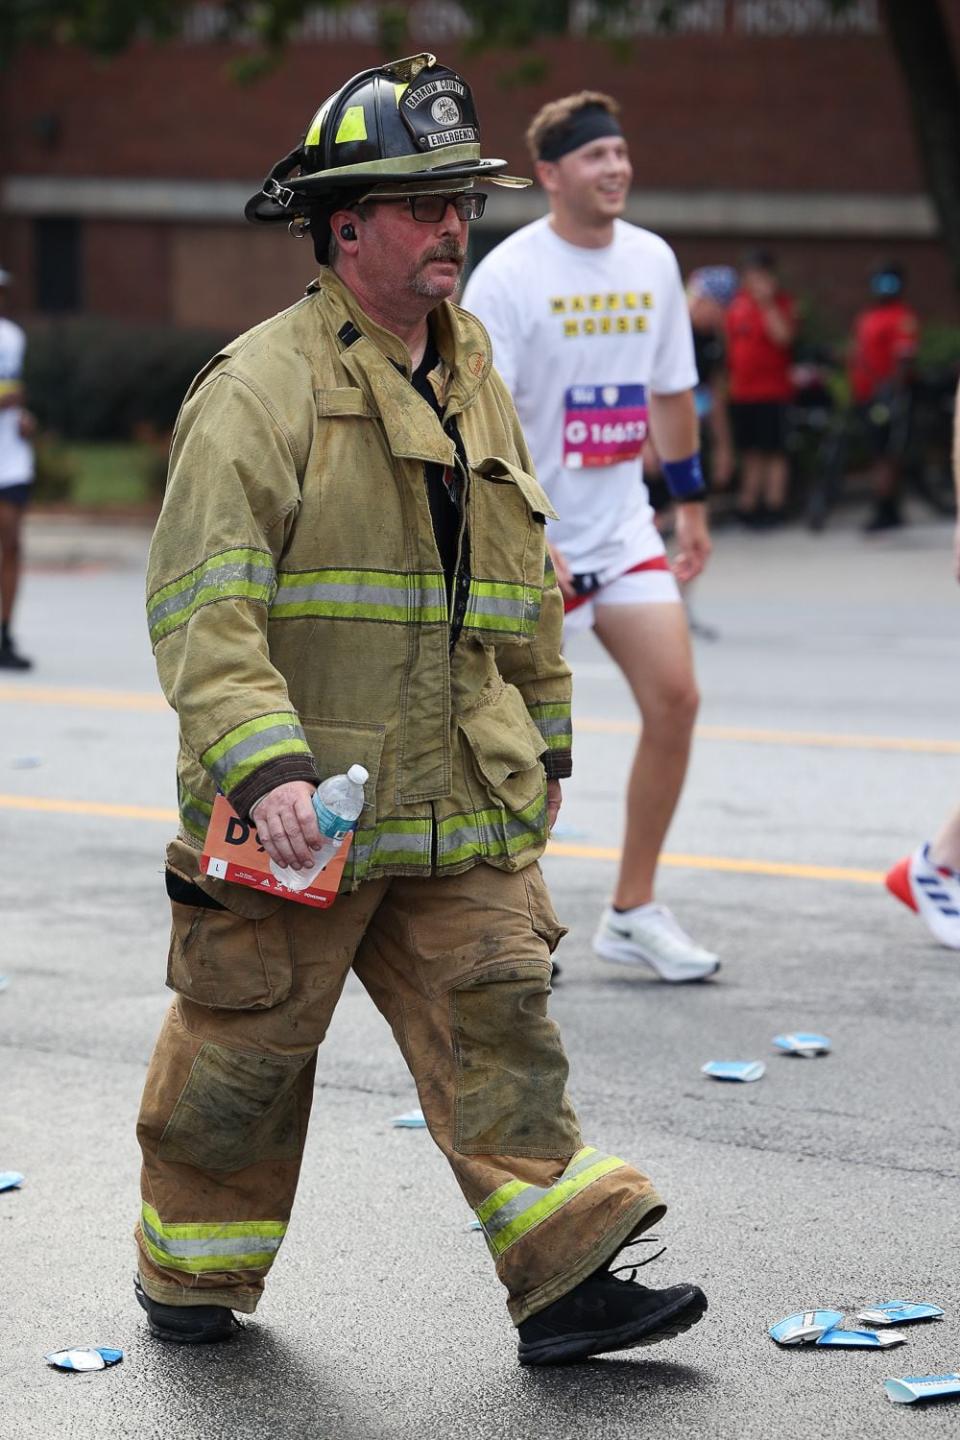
pixel 805 1327
pixel 4 982
pixel 922 1387
pixel 802 1043
pixel 861 1339
pixel 10 1179
pixel 412 1120
pixel 97 1357
pixel 899 1312
pixel 745 1070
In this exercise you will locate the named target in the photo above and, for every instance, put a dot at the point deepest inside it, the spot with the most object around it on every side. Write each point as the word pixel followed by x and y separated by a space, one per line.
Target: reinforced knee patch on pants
pixel 511 1070
pixel 236 1109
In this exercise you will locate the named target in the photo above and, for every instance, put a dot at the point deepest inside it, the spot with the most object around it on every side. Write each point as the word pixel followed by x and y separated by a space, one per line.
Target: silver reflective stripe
pixel 405 843
pixel 561 725
pixel 194 819
pixel 385 847
pixel 466 834
pixel 489 833
pixel 252 745
pixel 219 577
pixel 533 1194
pixel 234 1245
pixel 488 605
pixel 397 597
pixel 516 827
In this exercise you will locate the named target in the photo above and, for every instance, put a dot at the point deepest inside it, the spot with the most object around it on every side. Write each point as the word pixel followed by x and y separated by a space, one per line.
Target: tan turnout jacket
pixel 297 602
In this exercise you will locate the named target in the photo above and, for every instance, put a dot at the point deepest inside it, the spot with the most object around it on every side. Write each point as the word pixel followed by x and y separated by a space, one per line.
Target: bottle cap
pixel 358 775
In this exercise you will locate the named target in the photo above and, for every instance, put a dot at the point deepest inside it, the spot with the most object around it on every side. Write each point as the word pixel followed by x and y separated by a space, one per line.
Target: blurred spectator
pixel 710 291
pixel 761 325
pixel 883 347
pixel 16 473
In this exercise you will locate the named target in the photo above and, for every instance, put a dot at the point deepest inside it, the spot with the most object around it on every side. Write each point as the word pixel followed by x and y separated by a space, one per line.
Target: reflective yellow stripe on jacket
pixel 554 722
pixel 384 595
pixel 245 748
pixel 231 574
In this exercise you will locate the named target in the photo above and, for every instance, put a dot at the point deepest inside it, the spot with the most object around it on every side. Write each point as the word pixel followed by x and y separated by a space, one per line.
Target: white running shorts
pixel 654 584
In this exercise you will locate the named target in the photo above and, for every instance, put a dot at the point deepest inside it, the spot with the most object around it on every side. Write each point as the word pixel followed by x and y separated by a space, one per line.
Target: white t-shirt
pixel 582 337
pixel 16 455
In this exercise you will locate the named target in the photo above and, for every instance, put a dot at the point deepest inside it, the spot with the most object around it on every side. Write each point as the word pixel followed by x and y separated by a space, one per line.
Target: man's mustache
pixel 446 250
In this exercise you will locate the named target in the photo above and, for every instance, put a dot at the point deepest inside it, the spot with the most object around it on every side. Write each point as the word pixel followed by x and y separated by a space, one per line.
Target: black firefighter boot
pixel 187 1324
pixel 605 1313
pixel 10 657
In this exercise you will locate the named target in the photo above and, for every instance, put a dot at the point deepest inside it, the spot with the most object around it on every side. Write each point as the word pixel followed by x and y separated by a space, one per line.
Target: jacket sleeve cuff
pixel 558 764
pixel 268 776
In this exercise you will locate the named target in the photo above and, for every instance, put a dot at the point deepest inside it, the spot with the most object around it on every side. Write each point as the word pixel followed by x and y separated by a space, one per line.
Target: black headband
pixel 593 122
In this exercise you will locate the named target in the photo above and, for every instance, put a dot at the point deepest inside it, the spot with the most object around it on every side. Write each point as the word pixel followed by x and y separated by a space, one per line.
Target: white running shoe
pixel 651 936
pixel 932 890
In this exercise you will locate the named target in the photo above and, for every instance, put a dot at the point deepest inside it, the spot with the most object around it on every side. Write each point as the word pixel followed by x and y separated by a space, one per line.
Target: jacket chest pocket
pixel 508 515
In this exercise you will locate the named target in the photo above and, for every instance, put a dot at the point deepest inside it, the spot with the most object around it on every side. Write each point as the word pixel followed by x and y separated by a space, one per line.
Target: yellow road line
pixel 88 807
pixel 817 739
pixel 738 734
pixel 724 863
pixel 719 863
pixel 86 699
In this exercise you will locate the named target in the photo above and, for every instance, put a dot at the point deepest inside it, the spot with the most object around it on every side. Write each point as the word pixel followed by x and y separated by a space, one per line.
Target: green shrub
pixel 55 470
pixel 90 379
pixel 940 347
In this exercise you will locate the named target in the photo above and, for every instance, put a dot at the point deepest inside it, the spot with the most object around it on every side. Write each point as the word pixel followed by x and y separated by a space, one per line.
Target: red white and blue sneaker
pixel 933 891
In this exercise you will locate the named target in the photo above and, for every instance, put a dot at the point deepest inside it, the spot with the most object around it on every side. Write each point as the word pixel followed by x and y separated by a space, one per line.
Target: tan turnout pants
pixel 460 969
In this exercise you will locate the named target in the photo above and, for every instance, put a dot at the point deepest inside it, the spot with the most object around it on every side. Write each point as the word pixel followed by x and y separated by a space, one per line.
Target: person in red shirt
pixel 761 326
pixel 883 347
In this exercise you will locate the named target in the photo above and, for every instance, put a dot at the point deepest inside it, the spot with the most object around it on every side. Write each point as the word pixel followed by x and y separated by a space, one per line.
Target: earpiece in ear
pixel 347 232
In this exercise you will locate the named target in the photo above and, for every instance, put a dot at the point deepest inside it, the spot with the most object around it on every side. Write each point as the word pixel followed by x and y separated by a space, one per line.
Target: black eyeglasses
pixel 430 209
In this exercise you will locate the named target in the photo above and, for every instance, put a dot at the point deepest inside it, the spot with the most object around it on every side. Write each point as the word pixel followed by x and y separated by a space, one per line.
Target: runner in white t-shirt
pixel 591 333
pixel 16 474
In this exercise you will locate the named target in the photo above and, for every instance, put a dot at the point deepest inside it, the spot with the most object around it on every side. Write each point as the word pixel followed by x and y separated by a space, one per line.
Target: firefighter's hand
pixel 287 824
pixel 554 801
pixel 564 573
pixel 693 541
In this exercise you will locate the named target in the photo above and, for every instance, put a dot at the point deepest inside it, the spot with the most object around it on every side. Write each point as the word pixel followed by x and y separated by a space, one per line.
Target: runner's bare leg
pixel 651 645
pixel 945 849
pixel 10 525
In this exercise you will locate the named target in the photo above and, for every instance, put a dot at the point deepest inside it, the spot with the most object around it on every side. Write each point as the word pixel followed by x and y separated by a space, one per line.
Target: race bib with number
pixel 603 424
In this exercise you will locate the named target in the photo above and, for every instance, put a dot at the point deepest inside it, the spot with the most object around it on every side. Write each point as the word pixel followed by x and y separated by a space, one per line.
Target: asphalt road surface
pixel 829 746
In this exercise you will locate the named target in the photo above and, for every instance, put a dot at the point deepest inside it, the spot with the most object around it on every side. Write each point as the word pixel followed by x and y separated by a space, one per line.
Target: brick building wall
pixel 161 145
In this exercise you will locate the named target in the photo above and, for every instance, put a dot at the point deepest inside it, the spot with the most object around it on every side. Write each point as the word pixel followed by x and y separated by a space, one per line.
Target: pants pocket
pixel 236 1109
pixel 223 960
pixel 543 917
pixel 511 1070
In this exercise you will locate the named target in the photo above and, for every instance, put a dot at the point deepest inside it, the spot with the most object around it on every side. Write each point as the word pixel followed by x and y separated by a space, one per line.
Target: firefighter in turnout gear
pixel 350 566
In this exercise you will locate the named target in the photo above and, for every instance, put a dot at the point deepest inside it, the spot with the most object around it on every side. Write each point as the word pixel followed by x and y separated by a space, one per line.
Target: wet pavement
pixel 829 747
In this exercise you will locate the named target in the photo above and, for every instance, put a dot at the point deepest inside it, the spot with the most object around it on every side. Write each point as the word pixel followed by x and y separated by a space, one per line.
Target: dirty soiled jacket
pixel 298 607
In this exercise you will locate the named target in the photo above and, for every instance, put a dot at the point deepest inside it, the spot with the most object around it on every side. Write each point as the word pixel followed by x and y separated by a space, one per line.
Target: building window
pixel 58 264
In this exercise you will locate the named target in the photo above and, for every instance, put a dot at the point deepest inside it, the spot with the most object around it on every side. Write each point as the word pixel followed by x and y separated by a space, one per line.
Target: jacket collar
pixel 463 343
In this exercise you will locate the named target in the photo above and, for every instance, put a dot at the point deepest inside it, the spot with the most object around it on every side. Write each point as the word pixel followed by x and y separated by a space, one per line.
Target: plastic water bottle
pixel 337 803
